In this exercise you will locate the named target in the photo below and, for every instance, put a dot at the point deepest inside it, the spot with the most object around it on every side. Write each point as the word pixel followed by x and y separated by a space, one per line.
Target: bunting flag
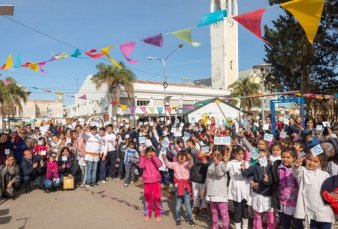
pixel 105 51
pixel 156 40
pixel 143 109
pixel 168 111
pixel 59 93
pixel 114 103
pixel 185 35
pixel 35 88
pixel 83 97
pixel 3 67
pixel 94 54
pixel 41 66
pixel 76 53
pixel 132 109
pixel 17 61
pixel 9 62
pixel 59 56
pixel 32 66
pixel 47 91
pixel 252 22
pixel 159 110
pixel 127 49
pixel 151 110
pixel 189 107
pixel 212 18
pixel 123 107
pixel 308 13
pixel 6 82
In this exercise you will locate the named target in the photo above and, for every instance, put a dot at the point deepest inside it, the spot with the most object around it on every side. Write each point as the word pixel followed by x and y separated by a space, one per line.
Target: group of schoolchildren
pixel 283 178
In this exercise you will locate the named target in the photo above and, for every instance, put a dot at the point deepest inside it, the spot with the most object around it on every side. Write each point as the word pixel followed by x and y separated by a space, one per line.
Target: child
pixel 286 189
pixel 276 152
pixel 130 160
pixel 163 150
pixel 310 205
pixel 239 188
pixel 52 176
pixel 216 189
pixel 182 183
pixel 122 148
pixel 41 148
pixel 151 177
pixel 262 189
pixel 299 147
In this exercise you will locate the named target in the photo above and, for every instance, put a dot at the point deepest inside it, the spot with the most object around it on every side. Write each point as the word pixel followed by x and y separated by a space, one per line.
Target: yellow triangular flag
pixel 59 92
pixel 185 35
pixel 123 107
pixel 105 51
pixel 34 67
pixel 9 62
pixel 308 14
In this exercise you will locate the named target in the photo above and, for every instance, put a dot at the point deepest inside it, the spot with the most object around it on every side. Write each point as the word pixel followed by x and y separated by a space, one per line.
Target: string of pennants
pixel 307 12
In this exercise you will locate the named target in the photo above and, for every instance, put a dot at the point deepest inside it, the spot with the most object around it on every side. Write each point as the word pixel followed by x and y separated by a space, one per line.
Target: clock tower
pixel 224 45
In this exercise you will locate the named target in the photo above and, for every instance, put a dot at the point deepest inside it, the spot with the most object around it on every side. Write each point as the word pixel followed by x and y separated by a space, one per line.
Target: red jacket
pixel 151 172
pixel 52 169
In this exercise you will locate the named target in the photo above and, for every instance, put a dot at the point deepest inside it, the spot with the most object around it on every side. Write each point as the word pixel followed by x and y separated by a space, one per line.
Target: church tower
pixel 224 45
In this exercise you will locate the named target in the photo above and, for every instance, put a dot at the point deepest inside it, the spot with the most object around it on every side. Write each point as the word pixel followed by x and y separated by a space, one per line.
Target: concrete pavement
pixel 108 205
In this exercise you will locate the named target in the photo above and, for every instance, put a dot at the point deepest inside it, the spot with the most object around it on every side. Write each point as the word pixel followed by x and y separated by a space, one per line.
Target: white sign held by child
pixel 254 154
pixel 319 127
pixel 205 149
pixel 7 151
pixel 165 142
pixel 326 124
pixel 43 152
pixel 64 158
pixel 266 127
pixel 268 137
pixel 142 140
pixel 316 150
pixel 282 134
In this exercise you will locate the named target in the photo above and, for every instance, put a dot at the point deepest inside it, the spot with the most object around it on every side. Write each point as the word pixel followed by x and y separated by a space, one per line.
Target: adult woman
pixel 18 145
pixel 9 177
pixel 4 144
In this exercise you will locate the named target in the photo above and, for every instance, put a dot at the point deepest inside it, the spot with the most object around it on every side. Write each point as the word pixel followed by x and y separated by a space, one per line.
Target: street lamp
pixel 163 61
pixel 262 70
pixel 6 10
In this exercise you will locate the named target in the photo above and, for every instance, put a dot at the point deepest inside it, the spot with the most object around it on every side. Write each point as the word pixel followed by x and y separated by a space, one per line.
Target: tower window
pixel 218 5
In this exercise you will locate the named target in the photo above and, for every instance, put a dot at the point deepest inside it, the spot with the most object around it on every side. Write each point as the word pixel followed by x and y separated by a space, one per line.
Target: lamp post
pixel 264 70
pixel 163 61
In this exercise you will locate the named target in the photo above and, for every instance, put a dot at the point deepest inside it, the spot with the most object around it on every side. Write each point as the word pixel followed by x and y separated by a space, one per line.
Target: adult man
pixel 111 150
pixel 79 149
pixel 32 170
pixel 30 142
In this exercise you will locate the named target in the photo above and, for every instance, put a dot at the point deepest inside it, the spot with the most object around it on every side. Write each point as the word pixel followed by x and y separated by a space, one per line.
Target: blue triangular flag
pixel 212 18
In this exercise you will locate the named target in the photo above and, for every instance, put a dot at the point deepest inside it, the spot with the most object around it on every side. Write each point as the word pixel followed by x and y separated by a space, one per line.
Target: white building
pixel 224 45
pixel 147 94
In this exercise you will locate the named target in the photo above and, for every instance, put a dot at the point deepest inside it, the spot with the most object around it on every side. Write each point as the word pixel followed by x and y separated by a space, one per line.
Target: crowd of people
pixel 289 174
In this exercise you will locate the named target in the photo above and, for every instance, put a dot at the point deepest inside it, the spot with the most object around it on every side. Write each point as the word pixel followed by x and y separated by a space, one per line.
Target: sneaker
pixel 192 223
pixel 146 218
pixel 103 182
pixel 92 185
pixel 82 185
pixel 87 186
pixel 157 219
pixel 125 184
pixel 132 182
pixel 178 223
pixel 107 179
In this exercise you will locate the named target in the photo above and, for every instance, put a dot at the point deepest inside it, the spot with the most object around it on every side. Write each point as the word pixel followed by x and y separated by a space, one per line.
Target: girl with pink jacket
pixel 151 177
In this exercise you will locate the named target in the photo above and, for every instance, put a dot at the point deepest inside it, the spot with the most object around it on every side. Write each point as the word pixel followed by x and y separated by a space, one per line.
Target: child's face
pixel 308 138
pixel 217 156
pixel 101 133
pixel 261 145
pixel 52 158
pixel 149 154
pixel 297 147
pixel 93 132
pixel 131 146
pixel 181 158
pixel 262 154
pixel 313 163
pixel 276 151
pixel 287 159
pixel 239 156
pixel 55 139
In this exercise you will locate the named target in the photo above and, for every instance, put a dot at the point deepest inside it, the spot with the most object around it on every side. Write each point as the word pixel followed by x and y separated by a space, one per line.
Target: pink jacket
pixel 288 187
pixel 151 172
pixel 80 147
pixel 52 168
pixel 181 171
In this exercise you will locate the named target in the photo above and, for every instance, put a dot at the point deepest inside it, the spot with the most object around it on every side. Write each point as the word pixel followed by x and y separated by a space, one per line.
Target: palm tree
pixel 246 87
pixel 116 78
pixel 11 97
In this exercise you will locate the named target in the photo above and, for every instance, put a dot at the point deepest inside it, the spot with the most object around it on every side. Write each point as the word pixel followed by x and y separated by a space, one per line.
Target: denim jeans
pixel 179 200
pixel 320 225
pixel 91 171
pixel 83 173
pixel 121 168
pixel 130 173
pixel 111 160
pixel 37 180
pixel 103 170
pixel 51 184
pixel 286 221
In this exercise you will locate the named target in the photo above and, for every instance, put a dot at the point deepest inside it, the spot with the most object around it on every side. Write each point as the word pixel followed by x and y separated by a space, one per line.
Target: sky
pixel 88 24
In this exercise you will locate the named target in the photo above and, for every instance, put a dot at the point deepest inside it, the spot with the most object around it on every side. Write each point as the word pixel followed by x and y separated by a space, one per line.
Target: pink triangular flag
pixel 127 49
pixel 252 22
pixel 156 40
pixel 41 66
pixel 143 109
pixel 83 97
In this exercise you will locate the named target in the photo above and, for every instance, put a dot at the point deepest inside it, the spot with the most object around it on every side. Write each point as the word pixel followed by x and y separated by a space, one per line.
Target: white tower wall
pixel 224 45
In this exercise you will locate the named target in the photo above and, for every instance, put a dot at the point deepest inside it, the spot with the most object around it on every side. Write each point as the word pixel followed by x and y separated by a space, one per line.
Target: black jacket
pixel 275 178
pixel 257 173
pixel 73 166
pixel 198 172
pixel 27 166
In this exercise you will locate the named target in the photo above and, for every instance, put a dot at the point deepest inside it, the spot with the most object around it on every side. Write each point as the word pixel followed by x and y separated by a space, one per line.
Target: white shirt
pixel 92 143
pixel 110 141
